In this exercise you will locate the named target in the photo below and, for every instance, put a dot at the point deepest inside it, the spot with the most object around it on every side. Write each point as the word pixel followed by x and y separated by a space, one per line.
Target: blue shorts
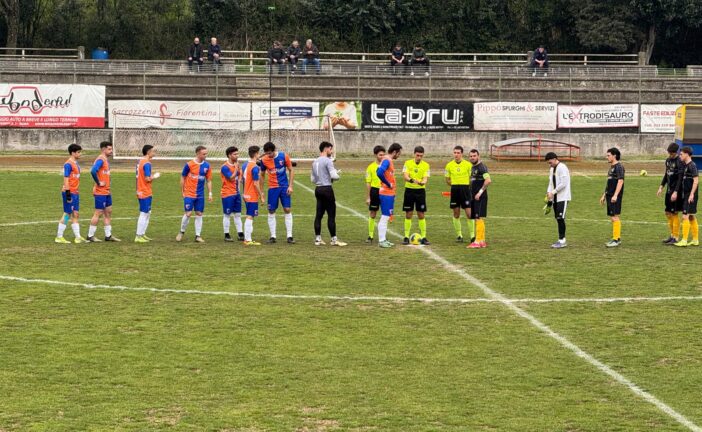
pixel 231 204
pixel 196 204
pixel 145 204
pixel 387 204
pixel 252 209
pixel 278 194
pixel 103 201
pixel 73 206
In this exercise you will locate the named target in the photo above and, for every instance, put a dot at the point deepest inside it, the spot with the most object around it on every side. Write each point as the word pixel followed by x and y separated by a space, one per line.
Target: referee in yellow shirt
pixel 416 174
pixel 373 190
pixel 458 177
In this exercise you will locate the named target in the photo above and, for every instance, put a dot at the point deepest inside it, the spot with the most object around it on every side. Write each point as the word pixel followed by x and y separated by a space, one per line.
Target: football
pixel 643 173
pixel 415 238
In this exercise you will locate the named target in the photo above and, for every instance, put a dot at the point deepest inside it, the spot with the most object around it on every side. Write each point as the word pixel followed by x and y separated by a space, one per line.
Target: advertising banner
pixel 598 116
pixel 143 114
pixel 516 116
pixel 52 106
pixel 285 115
pixel 344 115
pixel 658 118
pixel 418 116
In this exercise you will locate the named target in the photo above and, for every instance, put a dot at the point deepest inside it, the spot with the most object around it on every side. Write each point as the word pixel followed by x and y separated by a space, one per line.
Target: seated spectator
pixel 419 58
pixel 214 54
pixel 195 54
pixel 294 52
pixel 397 57
pixel 539 61
pixel 310 54
pixel 277 56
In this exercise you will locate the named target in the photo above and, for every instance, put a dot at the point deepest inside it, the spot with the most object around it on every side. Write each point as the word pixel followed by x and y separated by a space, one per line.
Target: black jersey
pixel 477 179
pixel 688 178
pixel 672 178
pixel 615 173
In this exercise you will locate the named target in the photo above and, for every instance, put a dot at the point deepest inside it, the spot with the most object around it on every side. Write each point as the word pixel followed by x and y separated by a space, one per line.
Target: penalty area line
pixel 562 340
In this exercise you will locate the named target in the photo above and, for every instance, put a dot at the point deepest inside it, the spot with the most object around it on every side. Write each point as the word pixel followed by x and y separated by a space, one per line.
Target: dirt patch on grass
pixel 165 416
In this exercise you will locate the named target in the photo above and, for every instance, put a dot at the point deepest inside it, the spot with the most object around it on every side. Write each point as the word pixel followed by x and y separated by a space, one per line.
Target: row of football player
pixel 680 181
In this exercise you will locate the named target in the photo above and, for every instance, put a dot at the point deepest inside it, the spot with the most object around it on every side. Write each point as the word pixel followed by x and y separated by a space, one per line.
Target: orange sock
pixel 685 229
pixel 676 226
pixel 695 229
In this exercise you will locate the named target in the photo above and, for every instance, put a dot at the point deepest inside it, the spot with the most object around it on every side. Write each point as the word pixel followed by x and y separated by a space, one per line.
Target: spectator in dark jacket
pixel 540 61
pixel 419 58
pixel 294 53
pixel 397 58
pixel 310 54
pixel 214 54
pixel 195 54
pixel 278 56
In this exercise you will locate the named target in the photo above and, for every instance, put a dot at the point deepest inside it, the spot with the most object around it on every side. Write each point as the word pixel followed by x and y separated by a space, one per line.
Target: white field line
pixel 563 341
pixel 441 216
pixel 352 298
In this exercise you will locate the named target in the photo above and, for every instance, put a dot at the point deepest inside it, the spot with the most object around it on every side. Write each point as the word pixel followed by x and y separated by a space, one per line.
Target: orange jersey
pixel 101 172
pixel 276 167
pixel 251 173
pixel 71 170
pixel 143 170
pixel 230 179
pixel 195 175
pixel 387 170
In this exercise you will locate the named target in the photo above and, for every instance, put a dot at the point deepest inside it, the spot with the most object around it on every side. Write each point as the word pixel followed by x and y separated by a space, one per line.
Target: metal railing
pixel 42 53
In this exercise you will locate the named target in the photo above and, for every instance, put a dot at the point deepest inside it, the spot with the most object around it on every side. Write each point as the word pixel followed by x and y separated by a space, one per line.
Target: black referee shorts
pixel 478 207
pixel 673 206
pixel 689 208
pixel 415 199
pixel 460 196
pixel 374 199
pixel 559 209
pixel 613 209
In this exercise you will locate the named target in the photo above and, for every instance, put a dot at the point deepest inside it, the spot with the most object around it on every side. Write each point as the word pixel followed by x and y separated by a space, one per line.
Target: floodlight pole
pixel 271 9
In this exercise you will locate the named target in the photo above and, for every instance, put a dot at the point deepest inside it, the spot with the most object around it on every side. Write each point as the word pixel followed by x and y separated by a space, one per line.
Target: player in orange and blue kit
pixel 195 174
pixel 144 179
pixel 278 166
pixel 231 199
pixel 251 175
pixel 102 193
pixel 388 189
pixel 70 196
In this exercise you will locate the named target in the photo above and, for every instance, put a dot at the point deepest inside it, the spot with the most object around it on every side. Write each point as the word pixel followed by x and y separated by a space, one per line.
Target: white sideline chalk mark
pixel 351 298
pixel 564 342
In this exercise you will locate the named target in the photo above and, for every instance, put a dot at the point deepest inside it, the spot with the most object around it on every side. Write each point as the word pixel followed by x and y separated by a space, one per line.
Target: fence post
pixel 499 83
pixel 144 83
pixel 358 82
pixel 585 60
pixel 642 58
pixel 216 87
pixel 251 62
pixel 81 53
pixel 570 86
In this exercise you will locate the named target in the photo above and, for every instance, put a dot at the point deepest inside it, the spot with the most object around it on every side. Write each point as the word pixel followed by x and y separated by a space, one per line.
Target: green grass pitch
pixel 77 356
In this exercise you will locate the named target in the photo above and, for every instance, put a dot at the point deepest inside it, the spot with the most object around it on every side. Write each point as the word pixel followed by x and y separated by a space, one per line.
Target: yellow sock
pixel 408 227
pixel 457 226
pixel 422 227
pixel 676 226
pixel 685 229
pixel 671 224
pixel 471 228
pixel 479 230
pixel 695 229
pixel 371 226
pixel 617 230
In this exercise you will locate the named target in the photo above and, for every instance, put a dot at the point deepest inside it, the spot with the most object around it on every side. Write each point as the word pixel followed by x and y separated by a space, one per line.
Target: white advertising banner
pixel 285 115
pixel 658 118
pixel 52 106
pixel 598 116
pixel 516 116
pixel 180 114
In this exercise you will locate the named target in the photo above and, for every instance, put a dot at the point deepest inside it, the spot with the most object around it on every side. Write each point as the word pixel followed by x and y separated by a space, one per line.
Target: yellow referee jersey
pixel 371 175
pixel 459 173
pixel 417 172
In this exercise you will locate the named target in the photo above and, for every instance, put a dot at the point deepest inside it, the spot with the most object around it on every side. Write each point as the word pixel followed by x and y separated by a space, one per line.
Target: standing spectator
pixel 214 54
pixel 419 58
pixel 277 56
pixel 294 52
pixel 195 54
pixel 558 195
pixel 397 58
pixel 539 61
pixel 310 54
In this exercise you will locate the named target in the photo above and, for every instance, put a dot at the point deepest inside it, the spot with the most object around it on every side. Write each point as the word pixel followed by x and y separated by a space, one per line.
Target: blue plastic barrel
pixel 100 54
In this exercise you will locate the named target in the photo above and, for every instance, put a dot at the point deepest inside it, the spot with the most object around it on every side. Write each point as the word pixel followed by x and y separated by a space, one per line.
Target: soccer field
pixel 216 336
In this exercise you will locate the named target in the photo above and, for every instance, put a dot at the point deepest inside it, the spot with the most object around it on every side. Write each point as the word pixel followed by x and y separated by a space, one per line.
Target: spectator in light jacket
pixel 310 54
